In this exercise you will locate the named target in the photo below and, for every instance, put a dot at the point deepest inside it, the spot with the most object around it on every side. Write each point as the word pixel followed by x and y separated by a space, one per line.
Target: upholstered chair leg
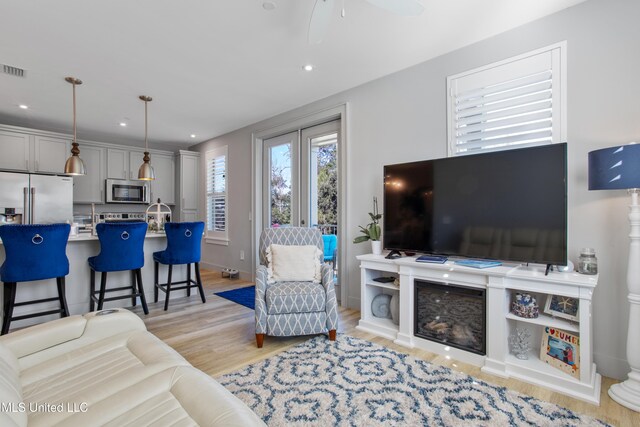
pixel 92 294
pixel 60 281
pixel 103 288
pixel 156 265
pixel 199 282
pixel 9 300
pixel 166 298
pixel 143 300
pixel 133 287
pixel 332 335
pixel 189 280
pixel 259 340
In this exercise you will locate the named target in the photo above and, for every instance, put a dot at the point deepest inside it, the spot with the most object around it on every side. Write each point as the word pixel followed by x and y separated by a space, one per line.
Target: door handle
pixel 302 222
pixel 33 204
pixel 25 205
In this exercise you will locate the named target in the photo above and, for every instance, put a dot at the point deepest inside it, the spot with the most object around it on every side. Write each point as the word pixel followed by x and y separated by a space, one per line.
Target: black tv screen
pixel 508 205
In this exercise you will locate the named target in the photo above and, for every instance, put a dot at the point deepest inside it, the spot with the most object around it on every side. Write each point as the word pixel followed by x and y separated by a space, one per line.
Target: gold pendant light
pixel 146 173
pixel 74 164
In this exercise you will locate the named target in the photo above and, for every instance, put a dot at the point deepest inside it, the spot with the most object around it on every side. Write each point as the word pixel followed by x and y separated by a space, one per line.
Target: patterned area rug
pixel 352 382
pixel 243 296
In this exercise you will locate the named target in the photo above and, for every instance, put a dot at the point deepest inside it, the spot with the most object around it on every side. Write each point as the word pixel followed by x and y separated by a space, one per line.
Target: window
pixel 217 206
pixel 510 104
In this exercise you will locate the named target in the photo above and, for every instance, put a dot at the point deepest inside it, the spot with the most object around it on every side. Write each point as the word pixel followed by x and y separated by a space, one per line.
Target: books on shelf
pixel 478 263
pixel 561 349
pixel 434 259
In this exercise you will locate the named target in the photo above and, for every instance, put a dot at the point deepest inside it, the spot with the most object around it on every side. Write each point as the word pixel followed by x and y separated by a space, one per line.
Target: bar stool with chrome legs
pixel 183 247
pixel 33 252
pixel 121 249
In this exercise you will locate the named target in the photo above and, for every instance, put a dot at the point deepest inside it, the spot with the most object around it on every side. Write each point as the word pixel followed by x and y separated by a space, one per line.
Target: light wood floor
pixel 218 337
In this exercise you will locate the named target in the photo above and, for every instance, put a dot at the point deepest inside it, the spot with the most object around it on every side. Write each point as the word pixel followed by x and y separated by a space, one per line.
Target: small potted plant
pixel 372 230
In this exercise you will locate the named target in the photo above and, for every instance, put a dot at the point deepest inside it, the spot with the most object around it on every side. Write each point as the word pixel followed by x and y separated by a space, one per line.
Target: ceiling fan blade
pixel 400 7
pixel 319 22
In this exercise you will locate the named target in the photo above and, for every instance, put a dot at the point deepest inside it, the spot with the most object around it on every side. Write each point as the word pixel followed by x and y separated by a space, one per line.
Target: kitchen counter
pixel 79 249
pixel 83 237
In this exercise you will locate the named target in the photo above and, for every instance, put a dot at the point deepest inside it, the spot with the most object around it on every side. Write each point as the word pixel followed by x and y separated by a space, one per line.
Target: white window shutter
pixel 511 104
pixel 217 193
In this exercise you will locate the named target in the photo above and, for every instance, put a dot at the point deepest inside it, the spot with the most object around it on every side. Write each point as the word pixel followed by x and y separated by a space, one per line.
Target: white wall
pixel 402 117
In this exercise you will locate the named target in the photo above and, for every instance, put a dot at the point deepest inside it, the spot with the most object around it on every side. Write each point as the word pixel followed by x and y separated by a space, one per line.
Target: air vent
pixel 13 71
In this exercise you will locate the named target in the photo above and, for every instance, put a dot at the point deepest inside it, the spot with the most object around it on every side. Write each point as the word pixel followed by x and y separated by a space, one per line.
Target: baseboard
pixel 353 302
pixel 244 275
pixel 611 367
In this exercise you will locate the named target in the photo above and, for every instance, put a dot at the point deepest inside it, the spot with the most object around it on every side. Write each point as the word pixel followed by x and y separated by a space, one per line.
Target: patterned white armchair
pixel 294 308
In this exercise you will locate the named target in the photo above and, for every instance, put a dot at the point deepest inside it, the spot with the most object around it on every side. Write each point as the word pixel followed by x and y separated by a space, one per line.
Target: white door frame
pixel 332 113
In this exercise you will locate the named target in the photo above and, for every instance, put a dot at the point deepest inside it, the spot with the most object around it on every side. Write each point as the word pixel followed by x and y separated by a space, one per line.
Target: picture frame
pixel 564 307
pixel 561 349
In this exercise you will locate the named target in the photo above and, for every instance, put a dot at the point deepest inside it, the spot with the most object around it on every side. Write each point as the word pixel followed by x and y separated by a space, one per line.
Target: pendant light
pixel 146 172
pixel 74 164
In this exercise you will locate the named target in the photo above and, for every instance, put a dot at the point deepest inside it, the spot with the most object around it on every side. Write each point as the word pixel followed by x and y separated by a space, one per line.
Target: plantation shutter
pixel 511 104
pixel 217 193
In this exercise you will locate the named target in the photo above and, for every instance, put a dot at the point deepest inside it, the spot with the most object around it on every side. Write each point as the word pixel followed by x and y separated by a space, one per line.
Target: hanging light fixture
pixel 146 172
pixel 74 164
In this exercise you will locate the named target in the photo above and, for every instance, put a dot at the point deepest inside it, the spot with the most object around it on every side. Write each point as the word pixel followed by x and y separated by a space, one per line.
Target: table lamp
pixel 618 168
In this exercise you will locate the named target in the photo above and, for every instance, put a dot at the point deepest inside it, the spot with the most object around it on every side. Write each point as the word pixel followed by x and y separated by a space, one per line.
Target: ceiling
pixel 214 66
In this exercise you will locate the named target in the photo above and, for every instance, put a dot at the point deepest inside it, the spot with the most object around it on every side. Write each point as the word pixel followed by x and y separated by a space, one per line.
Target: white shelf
pixel 546 320
pixel 383 285
pixel 534 363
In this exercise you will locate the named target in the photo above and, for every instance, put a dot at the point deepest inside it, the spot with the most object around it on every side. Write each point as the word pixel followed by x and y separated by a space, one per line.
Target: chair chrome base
pixel 136 278
pixel 169 286
pixel 10 303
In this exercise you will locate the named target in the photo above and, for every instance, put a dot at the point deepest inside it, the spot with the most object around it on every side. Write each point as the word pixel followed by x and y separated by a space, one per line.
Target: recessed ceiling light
pixel 308 67
pixel 24 107
pixel 123 124
pixel 268 5
pixel 193 135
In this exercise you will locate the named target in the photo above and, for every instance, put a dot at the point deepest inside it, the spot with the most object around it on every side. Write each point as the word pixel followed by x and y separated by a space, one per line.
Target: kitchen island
pixel 79 249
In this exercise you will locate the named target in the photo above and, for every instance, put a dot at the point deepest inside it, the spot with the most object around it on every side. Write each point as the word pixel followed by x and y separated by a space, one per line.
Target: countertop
pixel 83 237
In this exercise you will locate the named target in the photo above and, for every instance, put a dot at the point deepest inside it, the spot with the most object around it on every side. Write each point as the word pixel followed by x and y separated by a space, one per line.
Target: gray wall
pixel 402 117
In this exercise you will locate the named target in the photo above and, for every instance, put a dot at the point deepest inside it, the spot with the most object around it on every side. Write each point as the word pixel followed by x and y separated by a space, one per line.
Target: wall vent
pixel 13 71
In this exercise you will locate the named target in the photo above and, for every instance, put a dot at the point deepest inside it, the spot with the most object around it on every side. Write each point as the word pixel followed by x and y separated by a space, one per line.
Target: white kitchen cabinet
pixel 14 151
pixel 188 182
pixel 117 163
pixel 135 160
pixel 90 187
pixel 50 154
pixel 163 187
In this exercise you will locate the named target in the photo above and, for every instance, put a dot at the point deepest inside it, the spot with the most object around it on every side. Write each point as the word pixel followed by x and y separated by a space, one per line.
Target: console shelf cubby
pixel 500 285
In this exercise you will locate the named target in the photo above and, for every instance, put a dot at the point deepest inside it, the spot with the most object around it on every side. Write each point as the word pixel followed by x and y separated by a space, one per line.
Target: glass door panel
pixel 280 207
pixel 319 185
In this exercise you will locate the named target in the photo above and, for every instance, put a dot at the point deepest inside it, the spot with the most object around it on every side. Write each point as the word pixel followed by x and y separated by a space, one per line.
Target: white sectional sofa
pixel 105 369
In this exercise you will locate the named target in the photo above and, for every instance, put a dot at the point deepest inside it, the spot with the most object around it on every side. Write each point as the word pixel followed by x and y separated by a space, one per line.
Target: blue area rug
pixel 353 382
pixel 243 296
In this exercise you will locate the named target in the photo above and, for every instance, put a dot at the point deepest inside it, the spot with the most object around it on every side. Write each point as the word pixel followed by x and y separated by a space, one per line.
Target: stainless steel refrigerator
pixel 35 199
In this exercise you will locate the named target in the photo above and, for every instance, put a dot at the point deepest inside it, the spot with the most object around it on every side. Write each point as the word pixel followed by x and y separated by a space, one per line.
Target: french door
pixel 300 180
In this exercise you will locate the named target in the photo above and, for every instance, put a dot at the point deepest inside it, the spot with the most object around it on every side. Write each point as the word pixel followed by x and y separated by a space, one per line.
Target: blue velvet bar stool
pixel 121 249
pixel 33 252
pixel 183 247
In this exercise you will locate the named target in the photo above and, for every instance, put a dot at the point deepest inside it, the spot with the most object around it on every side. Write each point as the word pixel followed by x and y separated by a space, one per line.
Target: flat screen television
pixel 507 205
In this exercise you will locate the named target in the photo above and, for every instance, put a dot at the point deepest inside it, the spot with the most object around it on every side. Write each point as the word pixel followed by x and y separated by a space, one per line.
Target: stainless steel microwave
pixel 122 191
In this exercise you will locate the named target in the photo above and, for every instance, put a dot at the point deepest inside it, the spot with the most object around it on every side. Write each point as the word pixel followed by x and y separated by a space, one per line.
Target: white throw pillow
pixel 291 263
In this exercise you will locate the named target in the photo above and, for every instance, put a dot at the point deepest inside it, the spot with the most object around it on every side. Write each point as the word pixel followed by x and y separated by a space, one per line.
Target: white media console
pixel 500 284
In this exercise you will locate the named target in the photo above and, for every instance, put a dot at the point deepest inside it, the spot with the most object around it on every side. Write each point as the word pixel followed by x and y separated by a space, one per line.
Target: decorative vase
pixel 520 343
pixel 394 308
pixel 376 247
